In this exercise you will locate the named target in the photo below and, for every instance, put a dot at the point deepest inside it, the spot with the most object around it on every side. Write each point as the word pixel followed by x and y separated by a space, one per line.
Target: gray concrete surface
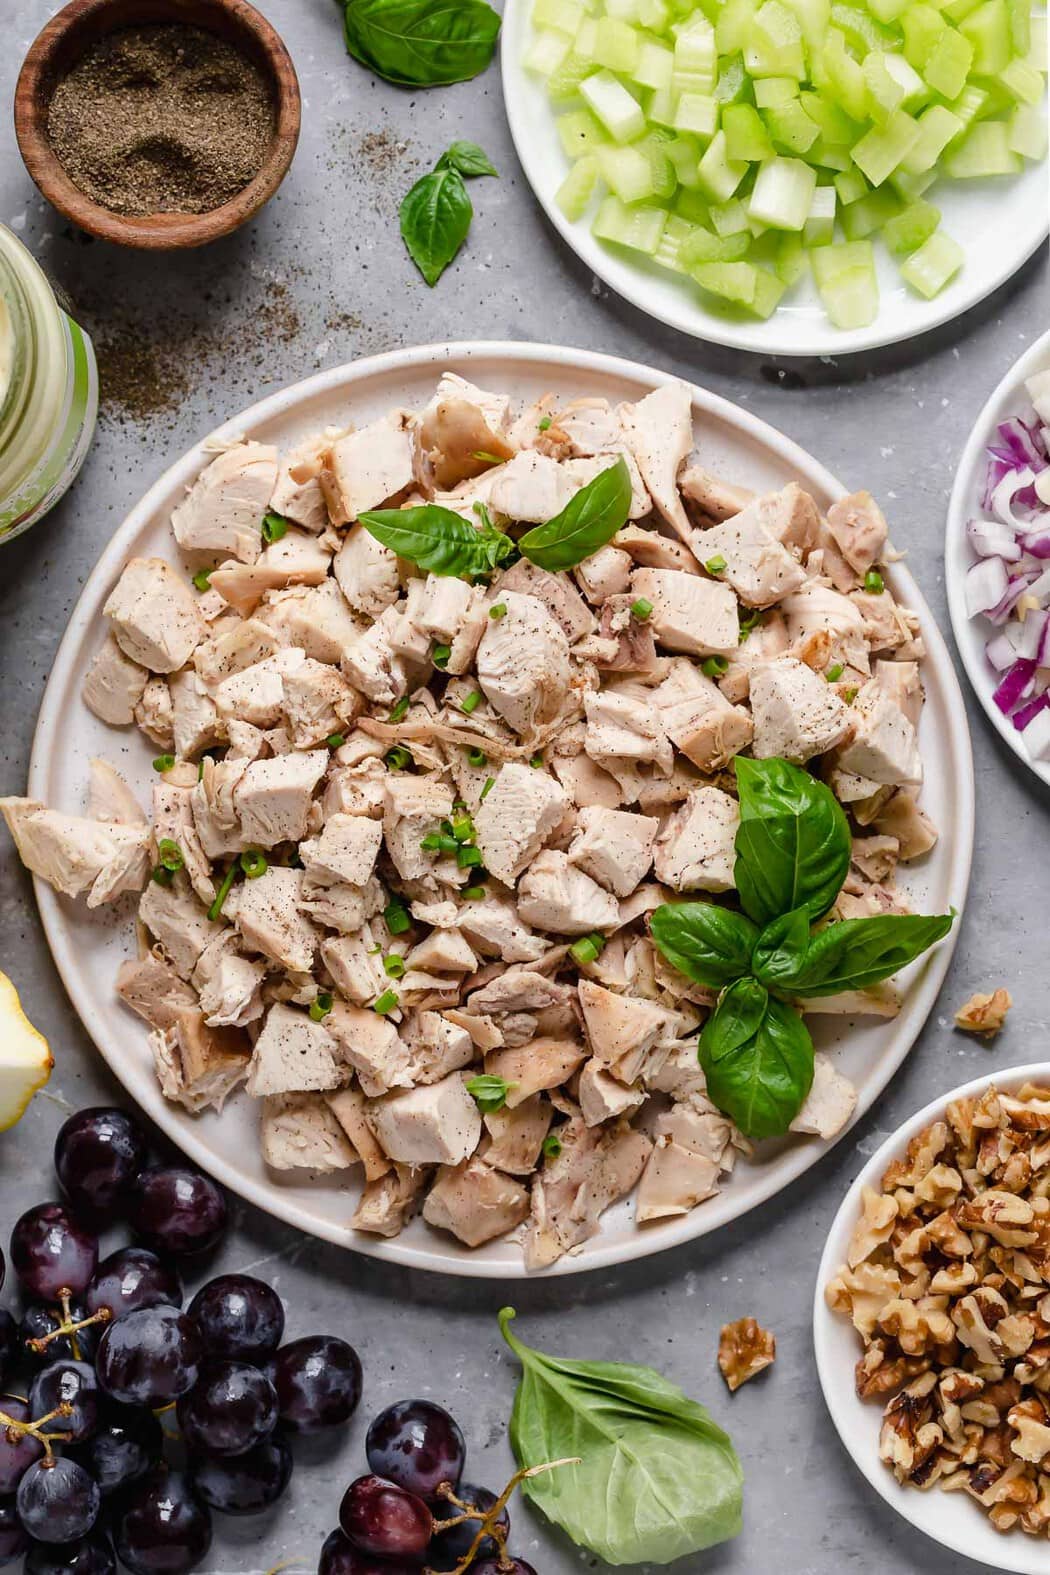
pixel 322 278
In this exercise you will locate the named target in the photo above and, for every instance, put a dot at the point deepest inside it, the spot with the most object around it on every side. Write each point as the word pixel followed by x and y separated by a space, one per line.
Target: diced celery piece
pixel 733 81
pixel 948 63
pixel 684 154
pixel 955 10
pixel 813 16
pixel 619 112
pixel 923 26
pixel 772 92
pixel 667 253
pixel 930 268
pixel 546 52
pixel 988 29
pixel 768 291
pixel 691 205
pixel 841 77
pixel 778 33
pixel 578 187
pixel 881 149
pixel 911 187
pixel 790 127
pixel 916 93
pixel 870 213
pixel 791 260
pixel 627 172
pixel 564 16
pixel 937 127
pixel 655 64
pixel 580 133
pixel 660 107
pixel 884 91
pixel 863 30
pixel 746 136
pixel 639 227
pixel 834 125
pixel 970 104
pixel 733 24
pixel 704 246
pixel 819 229
pixel 1020 13
pixel 653 14
pixel 616 45
pixel 911 229
pixel 733 281
pixel 656 148
pixel 564 82
pixel 983 150
pixel 887 10
pixel 622 10
pixel 1026 132
pixel 586 40
pixel 729 218
pixel 852 299
pixel 783 194
pixel 1038 49
pixel 698 113
pixel 851 186
pixel 1022 82
pixel 695 57
pixel 830 156
pixel 831 262
pixel 719 174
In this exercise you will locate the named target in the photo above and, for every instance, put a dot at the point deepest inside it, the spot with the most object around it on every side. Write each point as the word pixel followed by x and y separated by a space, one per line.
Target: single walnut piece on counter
pixel 984 1014
pixel 947 1282
pixel 744 1349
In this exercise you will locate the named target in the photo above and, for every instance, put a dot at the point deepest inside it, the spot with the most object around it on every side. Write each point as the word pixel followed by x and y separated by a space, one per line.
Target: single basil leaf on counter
pixel 793 845
pixel 858 953
pixel 657 1478
pixel 589 519
pixel 422 43
pixel 468 159
pixel 435 219
pixel 709 944
pixel 757 1056
pixel 438 540
pixel 781 948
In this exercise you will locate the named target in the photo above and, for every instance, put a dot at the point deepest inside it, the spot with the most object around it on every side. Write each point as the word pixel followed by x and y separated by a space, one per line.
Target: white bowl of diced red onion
pixel 997 558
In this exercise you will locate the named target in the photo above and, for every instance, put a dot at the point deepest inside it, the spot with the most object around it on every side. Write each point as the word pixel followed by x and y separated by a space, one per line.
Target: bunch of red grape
pixel 415 1509
pixel 104 1346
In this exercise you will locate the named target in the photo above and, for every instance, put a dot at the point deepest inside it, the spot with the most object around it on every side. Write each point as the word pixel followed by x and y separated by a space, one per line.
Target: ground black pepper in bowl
pixel 162 119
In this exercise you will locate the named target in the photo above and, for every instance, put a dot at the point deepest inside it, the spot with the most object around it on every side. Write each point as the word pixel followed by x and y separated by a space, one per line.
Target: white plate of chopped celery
pixel 794 177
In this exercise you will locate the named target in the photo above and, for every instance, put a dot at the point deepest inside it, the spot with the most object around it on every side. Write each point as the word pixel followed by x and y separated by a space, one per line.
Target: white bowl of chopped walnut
pixel 932 1320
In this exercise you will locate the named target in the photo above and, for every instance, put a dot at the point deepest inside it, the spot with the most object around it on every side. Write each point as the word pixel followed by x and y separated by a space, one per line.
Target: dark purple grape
pixel 125 1445
pixel 450 1547
pixel 381 1518
pixel 162 1529
pixel 239 1318
pixel 494 1567
pixel 67 1383
pixel 340 1557
pixel 57 1500
pixel 151 1357
pixel 131 1278
pixel 18 1451
pixel 52 1253
pixel 41 1319
pixel 318 1382
pixel 231 1408
pixel 91 1555
pixel 417 1445
pixel 176 1210
pixel 98 1155
pixel 244 1484
pixel 13 1540
pixel 8 1343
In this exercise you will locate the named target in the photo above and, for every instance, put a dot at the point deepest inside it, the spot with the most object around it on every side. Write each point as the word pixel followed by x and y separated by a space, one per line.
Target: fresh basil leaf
pixel 422 43
pixel 438 540
pixel 589 519
pixel 435 219
pixel 781 947
pixel 793 845
pixel 658 1478
pixel 757 1057
pixel 468 159
pixel 709 944
pixel 858 953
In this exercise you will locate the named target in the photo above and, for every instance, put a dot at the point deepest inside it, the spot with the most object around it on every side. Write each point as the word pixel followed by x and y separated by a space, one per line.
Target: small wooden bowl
pixel 64 40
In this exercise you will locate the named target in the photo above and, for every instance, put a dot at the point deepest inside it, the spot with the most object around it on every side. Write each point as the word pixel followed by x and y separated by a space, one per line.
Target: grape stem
pixel 69 1326
pixel 16 1430
pixel 489 1518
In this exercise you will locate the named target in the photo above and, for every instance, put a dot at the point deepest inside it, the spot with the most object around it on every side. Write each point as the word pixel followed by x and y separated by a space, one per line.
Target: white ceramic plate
pixel 1009 399
pixel 88 947
pixel 999 223
pixel 952 1519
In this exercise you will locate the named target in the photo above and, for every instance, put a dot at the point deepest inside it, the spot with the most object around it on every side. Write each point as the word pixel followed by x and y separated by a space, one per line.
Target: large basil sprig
pixel 444 543
pixel 792 856
pixel 422 43
pixel 657 1480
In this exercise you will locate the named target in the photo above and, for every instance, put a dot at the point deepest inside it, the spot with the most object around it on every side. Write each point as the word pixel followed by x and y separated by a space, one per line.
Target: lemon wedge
pixel 25 1057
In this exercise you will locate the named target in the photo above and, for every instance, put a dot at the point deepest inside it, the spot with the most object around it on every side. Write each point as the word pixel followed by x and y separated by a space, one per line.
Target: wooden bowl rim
pixel 155 231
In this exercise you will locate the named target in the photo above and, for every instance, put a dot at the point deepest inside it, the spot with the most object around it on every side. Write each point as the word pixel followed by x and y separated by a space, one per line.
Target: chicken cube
pixel 830 1102
pixel 195 721
pixel 372 663
pixel 366 469
pixel 346 850
pixel 475 1203
pixel 495 928
pixel 695 850
pixel 516 1134
pixel 436 1125
pixel 622 1030
pixel 557 593
pixel 154 615
pixel 355 966
pixel 293 1055
pixel 531 489
pixel 520 813
pixel 760 570
pixel 674 1181
pixel 555 896
pixel 443 606
pixel 114 685
pixel 153 990
pixel 413 808
pixel 348 1107
pixel 698 719
pixel 689 613
pixel 320 621
pixel 715 498
pixel 372 1046
pixel 273 797
pixel 531 1069
pixel 614 847
pixel 297 493
pixel 366 572
pixel 297 558
pixel 267 913
pixel 659 432
pixel 76 855
pixel 388 1201
pixel 256 693
pixel 318 702
pixel 231 990
pixel 460 428
pixel 197 1066
pixel 224 509
pixel 443 951
pixel 300 1132
pixel 859 529
pixel 436 1046
pixel 605 573
pixel 797 713
pixel 884 747
pixel 523 664
pixel 179 922
pixel 603 1097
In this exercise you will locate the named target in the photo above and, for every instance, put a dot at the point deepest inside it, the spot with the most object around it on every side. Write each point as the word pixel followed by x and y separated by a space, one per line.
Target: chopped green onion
pixel 335 740
pixel 202 579
pixel 849 695
pixel 396 917
pixel 498 610
pixel 536 762
pixel 588 948
pixel 200 771
pixel 473 893
pixel 394 965
pixel 223 892
pixel 163 763
pixel 274 526
pixel 253 863
pixel 835 673
pixel 398 758
pixel 641 609
pixel 749 622
pixel 490 783
pixel 489 1092
pixel 874 582
pixel 373 951
pixel 485 458
pixel 321 1005
pixel 716 565
pixel 468 857
pixel 400 710
pixel 169 854
pixel 477 757
pixel 162 876
pixel 552 1145
pixel 438 842
pixel 440 655
pixel 714 666
pixel 545 423
pixel 385 1003
pixel 471 701
pixel 463 828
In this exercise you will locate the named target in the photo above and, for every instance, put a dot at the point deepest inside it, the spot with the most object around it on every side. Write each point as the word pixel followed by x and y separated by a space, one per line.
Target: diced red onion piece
pixel 1029 711
pixel 993 539
pixel 1013 482
pixel 1011 689
pixel 987 582
pixel 1000 652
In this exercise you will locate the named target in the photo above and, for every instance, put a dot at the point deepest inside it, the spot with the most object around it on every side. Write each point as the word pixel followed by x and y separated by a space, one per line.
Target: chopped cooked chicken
pixel 984 1014
pixel 432 813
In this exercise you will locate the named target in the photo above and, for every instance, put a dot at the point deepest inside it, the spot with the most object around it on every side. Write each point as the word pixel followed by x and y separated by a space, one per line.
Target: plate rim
pixel 867 1462
pixel 924 988
pixel 968 641
pixel 944 308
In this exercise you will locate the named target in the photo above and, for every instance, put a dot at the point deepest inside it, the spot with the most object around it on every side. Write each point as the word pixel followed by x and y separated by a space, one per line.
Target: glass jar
pixel 48 392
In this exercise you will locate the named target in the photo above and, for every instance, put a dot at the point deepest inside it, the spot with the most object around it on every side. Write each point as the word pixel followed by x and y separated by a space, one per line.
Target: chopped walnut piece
pixel 744 1349
pixel 984 1014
